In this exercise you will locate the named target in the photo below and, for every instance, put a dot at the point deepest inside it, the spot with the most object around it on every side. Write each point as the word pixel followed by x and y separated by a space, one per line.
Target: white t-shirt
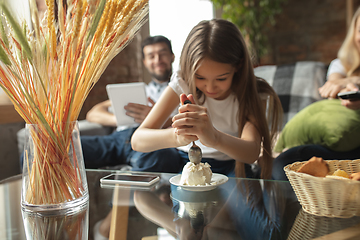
pixel 336 67
pixel 154 89
pixel 223 115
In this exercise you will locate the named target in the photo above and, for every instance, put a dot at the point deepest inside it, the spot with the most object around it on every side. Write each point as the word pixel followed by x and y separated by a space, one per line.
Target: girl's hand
pixel 184 140
pixel 194 123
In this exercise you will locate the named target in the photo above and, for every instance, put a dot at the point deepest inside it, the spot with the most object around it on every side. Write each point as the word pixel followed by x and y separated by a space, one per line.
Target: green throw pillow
pixel 324 122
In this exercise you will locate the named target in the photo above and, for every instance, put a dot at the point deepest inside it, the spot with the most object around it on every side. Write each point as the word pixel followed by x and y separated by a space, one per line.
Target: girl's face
pixel 357 34
pixel 214 79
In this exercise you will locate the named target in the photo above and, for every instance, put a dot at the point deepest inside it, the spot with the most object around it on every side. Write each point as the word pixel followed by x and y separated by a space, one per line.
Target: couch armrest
pixel 89 128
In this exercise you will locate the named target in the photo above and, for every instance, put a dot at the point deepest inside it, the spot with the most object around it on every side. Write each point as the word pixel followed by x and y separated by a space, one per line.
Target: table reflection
pixel 198 207
pixel 309 226
pixel 239 209
pixel 72 224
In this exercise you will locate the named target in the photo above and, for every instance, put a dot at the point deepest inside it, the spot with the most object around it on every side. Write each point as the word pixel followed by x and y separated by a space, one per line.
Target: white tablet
pixel 123 93
pixel 130 179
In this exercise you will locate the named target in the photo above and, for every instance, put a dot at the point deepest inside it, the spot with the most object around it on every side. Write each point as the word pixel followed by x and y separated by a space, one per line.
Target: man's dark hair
pixel 155 39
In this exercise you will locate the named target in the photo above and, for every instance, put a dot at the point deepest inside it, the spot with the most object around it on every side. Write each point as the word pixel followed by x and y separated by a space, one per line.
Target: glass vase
pixel 54 176
pixel 59 225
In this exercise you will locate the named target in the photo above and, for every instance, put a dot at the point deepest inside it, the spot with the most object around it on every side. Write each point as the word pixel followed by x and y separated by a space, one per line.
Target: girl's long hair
pixel 221 41
pixel 348 53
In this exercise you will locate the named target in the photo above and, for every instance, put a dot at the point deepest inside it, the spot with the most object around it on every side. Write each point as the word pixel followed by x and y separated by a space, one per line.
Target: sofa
pixel 296 84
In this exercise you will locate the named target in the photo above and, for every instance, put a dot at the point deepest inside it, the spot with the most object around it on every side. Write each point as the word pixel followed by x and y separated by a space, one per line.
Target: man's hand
pixel 138 111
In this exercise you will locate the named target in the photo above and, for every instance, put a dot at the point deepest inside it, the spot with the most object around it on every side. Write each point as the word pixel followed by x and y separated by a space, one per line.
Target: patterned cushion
pixel 296 84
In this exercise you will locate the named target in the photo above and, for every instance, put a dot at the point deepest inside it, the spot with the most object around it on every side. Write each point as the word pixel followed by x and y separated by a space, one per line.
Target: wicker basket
pixel 326 196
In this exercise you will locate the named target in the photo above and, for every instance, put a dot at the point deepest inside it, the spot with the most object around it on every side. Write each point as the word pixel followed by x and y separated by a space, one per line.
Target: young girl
pixel 228 117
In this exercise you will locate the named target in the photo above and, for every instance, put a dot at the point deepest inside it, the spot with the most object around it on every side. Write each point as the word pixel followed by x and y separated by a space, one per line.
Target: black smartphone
pixel 130 179
pixel 351 95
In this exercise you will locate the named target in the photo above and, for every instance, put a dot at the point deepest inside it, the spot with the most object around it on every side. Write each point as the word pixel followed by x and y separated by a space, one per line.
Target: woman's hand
pixel 193 123
pixel 331 88
pixel 337 83
pixel 351 104
pixel 354 104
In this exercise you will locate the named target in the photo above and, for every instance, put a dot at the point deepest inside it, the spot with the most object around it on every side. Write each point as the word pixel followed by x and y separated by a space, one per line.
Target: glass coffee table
pixel 238 209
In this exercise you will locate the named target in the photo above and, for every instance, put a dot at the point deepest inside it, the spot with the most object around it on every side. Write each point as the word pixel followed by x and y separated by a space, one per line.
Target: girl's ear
pixel 239 66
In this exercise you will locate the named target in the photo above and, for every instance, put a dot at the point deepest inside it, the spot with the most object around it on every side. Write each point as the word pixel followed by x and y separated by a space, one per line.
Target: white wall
pixel 21 9
pixel 175 18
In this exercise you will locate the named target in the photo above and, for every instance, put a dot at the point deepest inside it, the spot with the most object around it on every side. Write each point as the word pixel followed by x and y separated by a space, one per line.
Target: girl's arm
pixel 149 136
pixel 194 121
pixel 245 149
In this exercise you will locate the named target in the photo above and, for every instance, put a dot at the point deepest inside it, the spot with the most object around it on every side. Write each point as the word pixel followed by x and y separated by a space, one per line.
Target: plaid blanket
pixel 296 84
